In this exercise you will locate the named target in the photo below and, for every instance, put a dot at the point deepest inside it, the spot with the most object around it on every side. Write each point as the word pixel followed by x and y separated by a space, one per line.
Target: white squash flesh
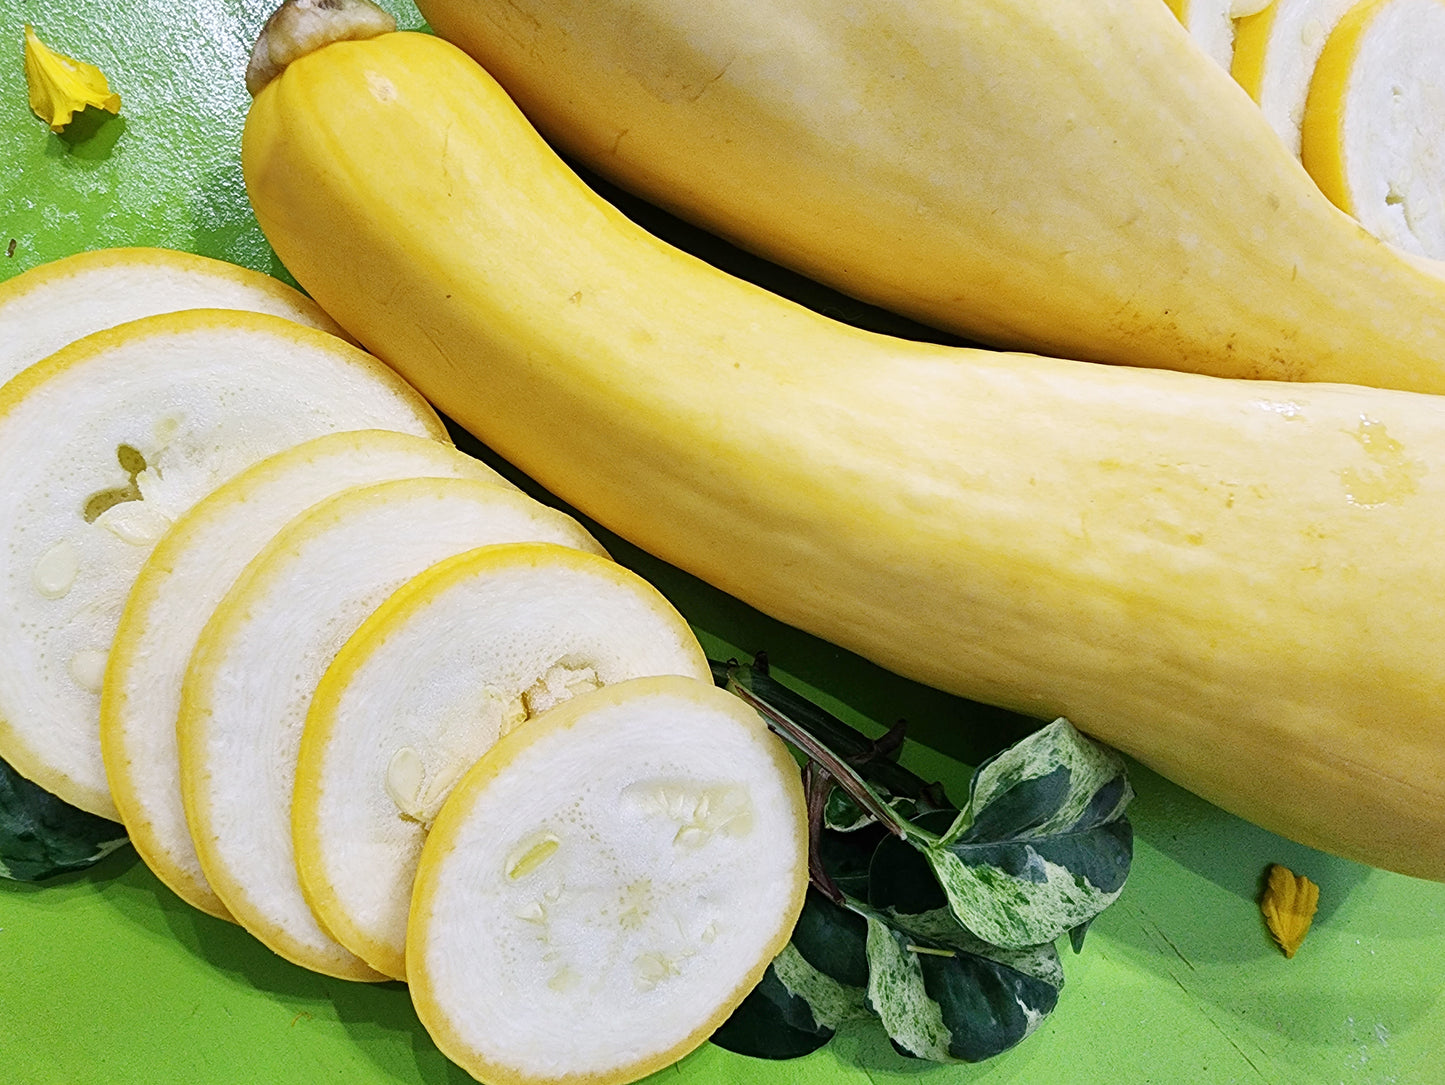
pixel 1373 135
pixel 459 656
pixel 102 446
pixel 57 303
pixel 194 564
pixel 261 654
pixel 606 885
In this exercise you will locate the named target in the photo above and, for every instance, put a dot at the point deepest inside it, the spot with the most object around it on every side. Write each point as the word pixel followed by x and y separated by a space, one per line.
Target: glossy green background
pixel 106 978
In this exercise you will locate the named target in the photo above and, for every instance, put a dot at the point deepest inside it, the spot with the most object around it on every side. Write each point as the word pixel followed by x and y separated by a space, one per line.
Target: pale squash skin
pixel 1074 178
pixel 1237 582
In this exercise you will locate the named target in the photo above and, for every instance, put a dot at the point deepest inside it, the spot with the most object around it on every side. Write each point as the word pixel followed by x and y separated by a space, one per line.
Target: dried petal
pixel 1289 905
pixel 61 86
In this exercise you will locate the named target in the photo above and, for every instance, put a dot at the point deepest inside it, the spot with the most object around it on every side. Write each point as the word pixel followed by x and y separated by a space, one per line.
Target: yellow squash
pixel 1074 177
pixel 1238 582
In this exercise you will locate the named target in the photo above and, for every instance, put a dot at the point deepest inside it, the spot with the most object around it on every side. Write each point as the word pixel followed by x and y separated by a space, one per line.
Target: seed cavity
pixel 561 682
pixel 539 913
pixel 699 812
pixel 655 967
pixel 419 782
pixel 564 979
pixel 417 796
pixel 405 774
pixel 167 428
pixel 636 905
pixel 55 572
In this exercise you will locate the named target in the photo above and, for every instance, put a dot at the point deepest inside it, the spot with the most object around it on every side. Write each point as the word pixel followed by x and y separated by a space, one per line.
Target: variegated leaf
pixel 898 995
pixel 831 1002
pixel 962 1001
pixel 772 1023
pixel 1042 845
pixel 42 836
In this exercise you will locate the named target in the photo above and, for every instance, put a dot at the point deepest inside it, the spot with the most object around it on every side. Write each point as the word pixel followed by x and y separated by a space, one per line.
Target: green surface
pixel 106 978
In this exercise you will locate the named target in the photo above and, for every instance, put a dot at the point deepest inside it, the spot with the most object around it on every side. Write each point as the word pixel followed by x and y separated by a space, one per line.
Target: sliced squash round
pixel 457 657
pixel 1275 52
pixel 1373 135
pixel 606 884
pixel 196 561
pixel 261 654
pixel 1211 23
pixel 57 303
pixel 102 446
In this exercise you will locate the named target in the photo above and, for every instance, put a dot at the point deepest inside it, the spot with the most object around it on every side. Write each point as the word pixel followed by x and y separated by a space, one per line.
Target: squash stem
pixel 299 27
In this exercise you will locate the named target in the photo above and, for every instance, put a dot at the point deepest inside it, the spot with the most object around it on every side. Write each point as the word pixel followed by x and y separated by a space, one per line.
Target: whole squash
pixel 1237 582
pixel 1073 177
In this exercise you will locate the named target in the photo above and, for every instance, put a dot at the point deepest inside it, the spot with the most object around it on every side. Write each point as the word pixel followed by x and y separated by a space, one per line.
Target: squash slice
pixel 1211 23
pixel 179 586
pixel 606 885
pixel 1275 52
pixel 459 656
pixel 57 303
pixel 261 654
pixel 1373 136
pixel 102 446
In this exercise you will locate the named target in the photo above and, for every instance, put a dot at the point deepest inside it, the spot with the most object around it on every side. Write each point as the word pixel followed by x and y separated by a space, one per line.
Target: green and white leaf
pixel 966 1002
pixel 772 1023
pixel 813 985
pixel 940 928
pixel 831 1002
pixel 41 836
pixel 1042 846
pixel 948 918
pixel 897 994
pixel 987 1008
pixel 1092 767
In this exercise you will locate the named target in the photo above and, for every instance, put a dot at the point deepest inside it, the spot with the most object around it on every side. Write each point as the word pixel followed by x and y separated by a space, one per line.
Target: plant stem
pixel 843 774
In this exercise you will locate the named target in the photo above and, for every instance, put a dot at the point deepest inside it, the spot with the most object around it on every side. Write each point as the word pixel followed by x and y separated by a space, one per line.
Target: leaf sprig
pixel 938 921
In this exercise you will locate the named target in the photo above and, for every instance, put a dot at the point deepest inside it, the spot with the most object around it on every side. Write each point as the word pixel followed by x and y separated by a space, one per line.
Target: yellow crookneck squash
pixel 1073 177
pixel 1237 582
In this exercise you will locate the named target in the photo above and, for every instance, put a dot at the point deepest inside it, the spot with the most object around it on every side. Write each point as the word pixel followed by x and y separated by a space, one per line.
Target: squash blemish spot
pixel 382 88
pixel 1395 476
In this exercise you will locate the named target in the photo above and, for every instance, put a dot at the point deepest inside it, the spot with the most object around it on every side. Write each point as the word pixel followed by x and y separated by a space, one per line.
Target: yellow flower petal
pixel 61 86
pixel 1289 905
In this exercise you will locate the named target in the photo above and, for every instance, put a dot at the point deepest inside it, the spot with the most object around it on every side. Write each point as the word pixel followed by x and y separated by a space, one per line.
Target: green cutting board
pixel 108 979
